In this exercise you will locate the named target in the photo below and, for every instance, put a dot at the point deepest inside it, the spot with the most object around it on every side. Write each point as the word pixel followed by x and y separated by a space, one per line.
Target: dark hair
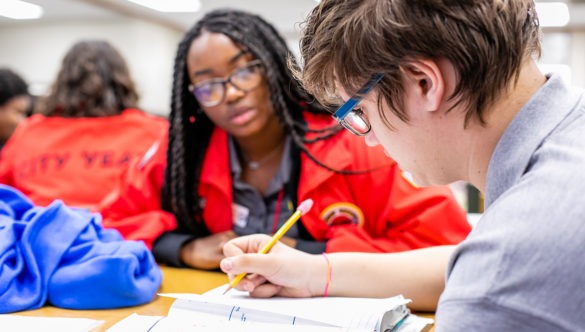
pixel 190 129
pixel 347 41
pixel 93 81
pixel 11 85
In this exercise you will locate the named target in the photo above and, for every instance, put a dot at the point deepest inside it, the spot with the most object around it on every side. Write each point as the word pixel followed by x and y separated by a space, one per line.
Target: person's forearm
pixel 418 274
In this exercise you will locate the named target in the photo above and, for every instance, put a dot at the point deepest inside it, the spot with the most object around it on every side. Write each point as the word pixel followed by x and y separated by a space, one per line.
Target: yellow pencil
pixel 303 208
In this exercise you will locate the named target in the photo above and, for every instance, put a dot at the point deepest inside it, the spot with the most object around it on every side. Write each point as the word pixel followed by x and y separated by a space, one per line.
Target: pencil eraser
pixel 305 206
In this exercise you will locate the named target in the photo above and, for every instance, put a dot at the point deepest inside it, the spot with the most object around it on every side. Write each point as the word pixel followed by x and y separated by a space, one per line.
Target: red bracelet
pixel 326 292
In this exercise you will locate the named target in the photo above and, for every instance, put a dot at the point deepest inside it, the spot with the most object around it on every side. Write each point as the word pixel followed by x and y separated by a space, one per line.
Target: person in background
pixel 86 131
pixel 247 144
pixel 456 94
pixel 15 102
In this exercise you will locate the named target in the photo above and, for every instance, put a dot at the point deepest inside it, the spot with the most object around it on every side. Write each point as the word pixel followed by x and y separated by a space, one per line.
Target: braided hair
pixel 190 129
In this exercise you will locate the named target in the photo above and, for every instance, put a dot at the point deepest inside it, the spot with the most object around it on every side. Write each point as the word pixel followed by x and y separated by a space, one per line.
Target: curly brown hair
pixel 93 81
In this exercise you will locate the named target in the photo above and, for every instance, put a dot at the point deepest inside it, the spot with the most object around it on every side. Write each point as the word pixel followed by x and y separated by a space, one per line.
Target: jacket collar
pixel 216 166
pixel 334 152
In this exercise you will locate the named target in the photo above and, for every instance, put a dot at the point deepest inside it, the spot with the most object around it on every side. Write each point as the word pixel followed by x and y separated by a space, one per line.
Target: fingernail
pixel 227 264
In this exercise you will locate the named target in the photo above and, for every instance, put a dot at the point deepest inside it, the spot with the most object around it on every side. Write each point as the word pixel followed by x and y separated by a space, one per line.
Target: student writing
pixel 460 97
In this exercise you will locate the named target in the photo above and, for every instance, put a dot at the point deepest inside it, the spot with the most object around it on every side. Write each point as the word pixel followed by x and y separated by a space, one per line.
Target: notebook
pixel 237 311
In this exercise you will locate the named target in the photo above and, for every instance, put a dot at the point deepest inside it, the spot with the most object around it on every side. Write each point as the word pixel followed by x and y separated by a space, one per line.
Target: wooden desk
pixel 174 281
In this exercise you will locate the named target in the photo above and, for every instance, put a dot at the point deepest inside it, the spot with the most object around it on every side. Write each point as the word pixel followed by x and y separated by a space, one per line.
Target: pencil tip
pixel 227 290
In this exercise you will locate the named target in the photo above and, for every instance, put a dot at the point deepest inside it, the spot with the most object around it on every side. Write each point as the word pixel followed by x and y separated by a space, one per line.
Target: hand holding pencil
pixel 303 208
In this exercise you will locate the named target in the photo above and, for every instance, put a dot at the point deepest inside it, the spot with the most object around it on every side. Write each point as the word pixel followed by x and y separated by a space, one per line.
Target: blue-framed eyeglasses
pixel 352 118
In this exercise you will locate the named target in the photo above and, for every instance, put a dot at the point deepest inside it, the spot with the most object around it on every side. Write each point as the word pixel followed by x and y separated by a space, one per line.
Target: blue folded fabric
pixel 63 256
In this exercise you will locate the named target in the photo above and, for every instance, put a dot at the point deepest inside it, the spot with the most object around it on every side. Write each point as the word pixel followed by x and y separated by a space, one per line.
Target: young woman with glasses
pixel 246 144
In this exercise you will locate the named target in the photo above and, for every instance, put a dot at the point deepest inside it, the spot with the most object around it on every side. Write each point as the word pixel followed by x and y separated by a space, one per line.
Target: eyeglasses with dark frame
pixel 352 118
pixel 212 92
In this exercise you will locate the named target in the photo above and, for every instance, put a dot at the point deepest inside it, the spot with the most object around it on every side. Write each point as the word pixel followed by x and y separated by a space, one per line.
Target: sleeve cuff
pixel 311 247
pixel 167 248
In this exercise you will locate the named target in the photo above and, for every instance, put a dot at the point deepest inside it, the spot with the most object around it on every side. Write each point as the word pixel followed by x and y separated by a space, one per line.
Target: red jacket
pixel 378 211
pixel 77 160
